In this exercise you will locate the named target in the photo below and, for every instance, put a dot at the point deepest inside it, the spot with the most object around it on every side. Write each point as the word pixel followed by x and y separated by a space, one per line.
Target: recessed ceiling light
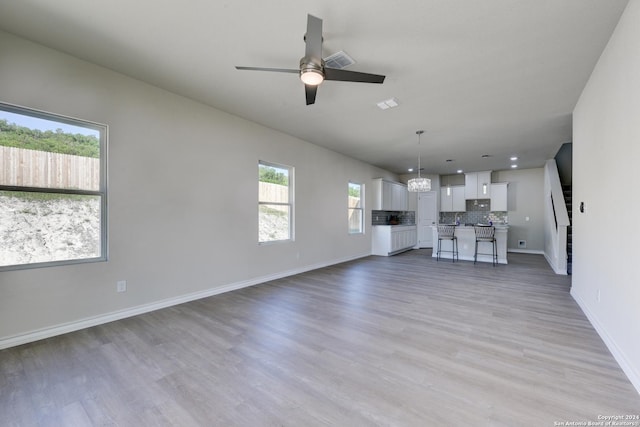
pixel 514 158
pixel 514 166
pixel 459 171
pixel 410 170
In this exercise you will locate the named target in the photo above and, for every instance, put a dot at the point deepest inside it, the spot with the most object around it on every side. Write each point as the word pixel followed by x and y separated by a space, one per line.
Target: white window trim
pixel 291 203
pixel 101 192
pixel 361 209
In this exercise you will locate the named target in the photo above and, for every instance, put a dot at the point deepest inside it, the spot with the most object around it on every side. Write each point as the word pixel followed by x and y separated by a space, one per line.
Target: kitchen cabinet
pixel 399 197
pixel 477 185
pixel 390 240
pixel 389 195
pixel 452 199
pixel 499 196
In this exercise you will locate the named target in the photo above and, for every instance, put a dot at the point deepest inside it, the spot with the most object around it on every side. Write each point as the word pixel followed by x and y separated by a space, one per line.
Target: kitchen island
pixel 466 244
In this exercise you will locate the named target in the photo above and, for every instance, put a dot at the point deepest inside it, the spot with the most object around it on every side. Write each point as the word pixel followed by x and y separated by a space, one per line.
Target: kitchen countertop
pixel 394 225
pixel 471 226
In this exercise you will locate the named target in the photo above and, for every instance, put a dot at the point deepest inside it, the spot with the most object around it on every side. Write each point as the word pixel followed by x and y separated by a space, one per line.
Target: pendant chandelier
pixel 419 185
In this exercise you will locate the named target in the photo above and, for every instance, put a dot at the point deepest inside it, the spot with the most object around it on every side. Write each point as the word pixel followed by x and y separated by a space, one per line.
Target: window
pixel 275 202
pixel 355 210
pixel 52 189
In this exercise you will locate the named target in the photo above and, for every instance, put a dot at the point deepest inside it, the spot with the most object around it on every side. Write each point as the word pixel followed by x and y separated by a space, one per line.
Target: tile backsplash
pixel 478 212
pixel 387 217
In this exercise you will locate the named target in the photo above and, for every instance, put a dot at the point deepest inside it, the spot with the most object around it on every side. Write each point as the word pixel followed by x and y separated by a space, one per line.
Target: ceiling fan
pixel 312 69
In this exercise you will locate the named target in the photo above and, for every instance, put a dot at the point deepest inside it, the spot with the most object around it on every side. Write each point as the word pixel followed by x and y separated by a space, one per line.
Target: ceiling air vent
pixel 338 60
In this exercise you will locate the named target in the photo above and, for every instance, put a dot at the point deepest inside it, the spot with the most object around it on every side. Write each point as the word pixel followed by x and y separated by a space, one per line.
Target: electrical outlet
pixel 121 286
pixel 522 244
pixel 598 296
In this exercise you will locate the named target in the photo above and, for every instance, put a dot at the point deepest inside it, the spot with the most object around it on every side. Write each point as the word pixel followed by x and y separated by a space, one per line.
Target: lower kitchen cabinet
pixel 392 239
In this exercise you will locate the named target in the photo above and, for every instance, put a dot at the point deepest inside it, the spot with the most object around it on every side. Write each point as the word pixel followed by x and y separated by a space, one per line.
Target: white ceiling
pixel 497 77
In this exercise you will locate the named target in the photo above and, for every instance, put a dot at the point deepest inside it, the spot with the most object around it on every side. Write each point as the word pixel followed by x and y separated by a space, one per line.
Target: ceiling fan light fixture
pixel 311 77
pixel 310 73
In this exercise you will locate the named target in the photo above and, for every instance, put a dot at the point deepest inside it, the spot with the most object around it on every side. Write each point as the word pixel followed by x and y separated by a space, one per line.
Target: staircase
pixel 566 191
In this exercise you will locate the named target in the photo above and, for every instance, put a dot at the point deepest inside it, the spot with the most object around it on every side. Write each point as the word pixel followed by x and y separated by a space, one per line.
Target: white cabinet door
pixel 446 199
pixel 376 197
pixel 471 185
pixel 404 197
pixel 412 238
pixel 499 197
pixel 484 185
pixel 399 197
pixel 458 202
pixel 387 196
pixel 381 240
pixel 452 199
pixel 477 185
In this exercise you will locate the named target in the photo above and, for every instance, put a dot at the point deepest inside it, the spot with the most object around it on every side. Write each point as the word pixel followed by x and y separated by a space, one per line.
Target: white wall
pixel 182 199
pixel 606 150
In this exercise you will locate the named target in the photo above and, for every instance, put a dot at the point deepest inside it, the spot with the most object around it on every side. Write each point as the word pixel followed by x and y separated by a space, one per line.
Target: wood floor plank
pixel 381 341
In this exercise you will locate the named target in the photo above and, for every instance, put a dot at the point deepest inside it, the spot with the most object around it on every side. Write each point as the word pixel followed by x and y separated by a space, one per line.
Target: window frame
pixel 103 131
pixel 290 204
pixel 360 209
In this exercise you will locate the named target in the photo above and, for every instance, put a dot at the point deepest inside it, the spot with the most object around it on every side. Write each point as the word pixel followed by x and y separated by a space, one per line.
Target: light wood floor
pixel 400 341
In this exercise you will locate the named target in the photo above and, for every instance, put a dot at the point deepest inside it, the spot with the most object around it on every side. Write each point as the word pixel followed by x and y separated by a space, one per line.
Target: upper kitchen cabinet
pixel 499 196
pixel 452 199
pixel 477 185
pixel 389 195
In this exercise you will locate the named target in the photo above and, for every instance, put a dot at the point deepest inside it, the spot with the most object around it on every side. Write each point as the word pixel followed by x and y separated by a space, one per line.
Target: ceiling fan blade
pixel 310 91
pixel 277 70
pixel 313 38
pixel 351 76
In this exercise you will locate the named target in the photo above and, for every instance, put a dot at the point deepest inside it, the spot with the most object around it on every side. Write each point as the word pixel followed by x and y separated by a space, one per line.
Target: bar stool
pixel 447 232
pixel 486 234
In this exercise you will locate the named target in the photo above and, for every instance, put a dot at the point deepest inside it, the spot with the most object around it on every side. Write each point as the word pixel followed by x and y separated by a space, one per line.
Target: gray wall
pixel 178 235
pixel 526 207
pixel 564 160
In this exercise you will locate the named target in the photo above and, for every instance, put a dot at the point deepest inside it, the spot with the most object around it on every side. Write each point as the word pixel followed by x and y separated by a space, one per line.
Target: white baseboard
pixel 629 369
pixel 525 251
pixel 88 322
pixel 556 269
